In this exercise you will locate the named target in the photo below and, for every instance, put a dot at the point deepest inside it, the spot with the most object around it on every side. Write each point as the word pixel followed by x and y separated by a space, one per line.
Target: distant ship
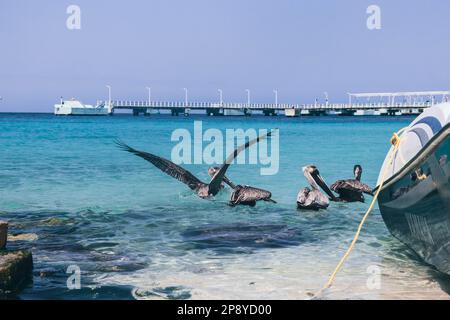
pixel 77 108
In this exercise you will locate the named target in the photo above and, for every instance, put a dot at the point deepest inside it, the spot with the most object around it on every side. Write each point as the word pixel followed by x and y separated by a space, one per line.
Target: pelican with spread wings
pixel 202 189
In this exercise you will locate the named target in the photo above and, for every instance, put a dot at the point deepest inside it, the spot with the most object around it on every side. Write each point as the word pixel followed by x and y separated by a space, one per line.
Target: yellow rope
pixel 395 141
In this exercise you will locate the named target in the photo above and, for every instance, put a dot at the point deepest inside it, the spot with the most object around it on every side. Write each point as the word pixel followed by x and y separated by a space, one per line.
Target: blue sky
pixel 300 47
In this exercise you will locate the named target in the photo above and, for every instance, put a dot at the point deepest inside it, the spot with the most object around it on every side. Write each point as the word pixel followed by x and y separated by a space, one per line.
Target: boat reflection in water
pixel 415 199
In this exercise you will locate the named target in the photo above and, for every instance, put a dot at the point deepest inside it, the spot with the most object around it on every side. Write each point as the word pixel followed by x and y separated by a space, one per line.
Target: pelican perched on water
pixel 351 190
pixel 247 195
pixel 244 195
pixel 202 189
pixel 314 199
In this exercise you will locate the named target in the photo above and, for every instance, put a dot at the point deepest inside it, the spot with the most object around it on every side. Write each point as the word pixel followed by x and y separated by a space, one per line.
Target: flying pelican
pixel 351 190
pixel 244 195
pixel 202 189
pixel 314 199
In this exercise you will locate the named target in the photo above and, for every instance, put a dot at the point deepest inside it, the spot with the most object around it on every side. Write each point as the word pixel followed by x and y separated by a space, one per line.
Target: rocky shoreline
pixel 15 266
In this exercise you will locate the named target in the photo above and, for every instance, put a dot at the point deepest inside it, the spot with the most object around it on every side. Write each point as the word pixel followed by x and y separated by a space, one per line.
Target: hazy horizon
pixel 300 48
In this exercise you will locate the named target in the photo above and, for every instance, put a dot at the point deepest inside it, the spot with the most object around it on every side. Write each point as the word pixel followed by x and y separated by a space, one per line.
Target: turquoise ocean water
pixel 136 233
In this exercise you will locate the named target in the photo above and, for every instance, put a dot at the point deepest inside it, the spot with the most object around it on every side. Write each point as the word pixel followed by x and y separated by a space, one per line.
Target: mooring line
pixel 395 141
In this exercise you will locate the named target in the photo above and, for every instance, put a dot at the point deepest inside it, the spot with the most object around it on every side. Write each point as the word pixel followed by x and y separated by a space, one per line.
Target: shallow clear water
pixel 137 233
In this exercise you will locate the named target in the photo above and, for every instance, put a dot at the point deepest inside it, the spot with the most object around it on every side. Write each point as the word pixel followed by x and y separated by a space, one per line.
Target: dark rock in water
pixel 3 234
pixel 241 237
pixel 15 270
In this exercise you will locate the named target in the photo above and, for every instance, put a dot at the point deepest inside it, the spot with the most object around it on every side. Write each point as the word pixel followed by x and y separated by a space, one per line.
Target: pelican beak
pixel 228 182
pixel 321 183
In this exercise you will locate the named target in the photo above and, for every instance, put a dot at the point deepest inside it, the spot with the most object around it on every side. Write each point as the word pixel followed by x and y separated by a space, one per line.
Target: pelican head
pixel 357 171
pixel 316 181
pixel 212 171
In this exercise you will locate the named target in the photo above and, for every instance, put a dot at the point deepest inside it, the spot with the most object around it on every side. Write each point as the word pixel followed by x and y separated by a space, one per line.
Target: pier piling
pixel 177 111
pixel 269 112
pixel 3 234
pixel 214 112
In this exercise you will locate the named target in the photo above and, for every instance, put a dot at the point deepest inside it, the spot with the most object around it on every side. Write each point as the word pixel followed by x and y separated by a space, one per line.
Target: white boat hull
pixel 76 108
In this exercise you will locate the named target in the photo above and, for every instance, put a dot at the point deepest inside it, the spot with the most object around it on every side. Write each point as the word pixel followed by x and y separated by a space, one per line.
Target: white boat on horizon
pixel 77 108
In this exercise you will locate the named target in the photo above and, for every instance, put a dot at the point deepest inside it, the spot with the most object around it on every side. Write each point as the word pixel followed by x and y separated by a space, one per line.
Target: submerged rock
pixel 15 270
pixel 53 221
pixel 3 234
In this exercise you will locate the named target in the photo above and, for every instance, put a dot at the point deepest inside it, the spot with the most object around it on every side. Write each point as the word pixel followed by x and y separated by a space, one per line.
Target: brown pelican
pixel 351 190
pixel 314 199
pixel 244 195
pixel 202 189
pixel 247 195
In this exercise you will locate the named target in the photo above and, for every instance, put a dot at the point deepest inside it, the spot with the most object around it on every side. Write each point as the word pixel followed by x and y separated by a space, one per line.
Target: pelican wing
pixel 365 188
pixel 165 166
pixel 229 182
pixel 302 196
pixel 351 185
pixel 248 194
pixel 214 185
pixel 319 199
pixel 312 199
pixel 337 185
